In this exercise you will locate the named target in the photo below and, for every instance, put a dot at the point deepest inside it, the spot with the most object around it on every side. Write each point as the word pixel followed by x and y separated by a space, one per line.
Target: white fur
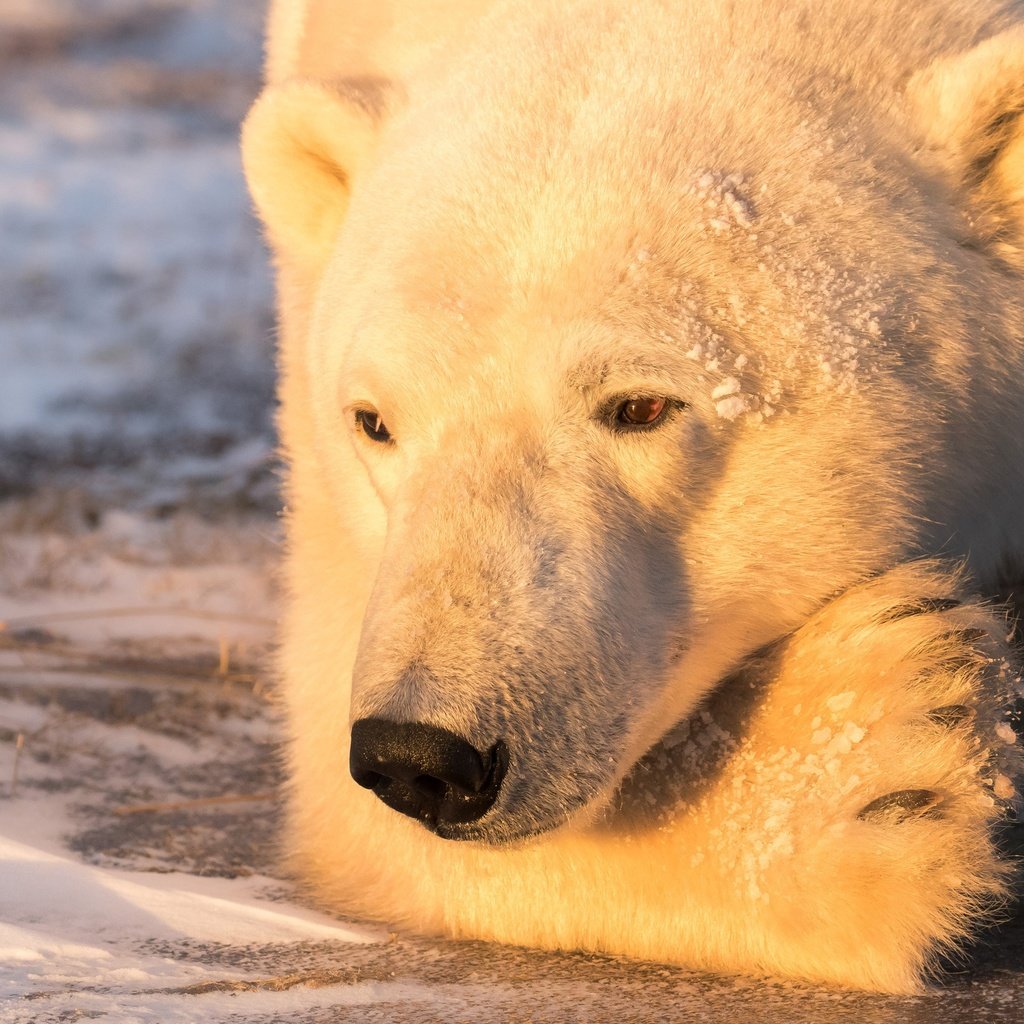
pixel 802 222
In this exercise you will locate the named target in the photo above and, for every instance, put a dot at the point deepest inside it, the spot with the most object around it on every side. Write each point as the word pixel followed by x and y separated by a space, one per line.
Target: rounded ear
pixel 303 144
pixel 970 108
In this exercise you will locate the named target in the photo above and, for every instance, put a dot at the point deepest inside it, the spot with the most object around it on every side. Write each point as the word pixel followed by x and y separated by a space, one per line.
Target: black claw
pixel 939 604
pixel 922 606
pixel 899 806
pixel 967 635
pixel 951 715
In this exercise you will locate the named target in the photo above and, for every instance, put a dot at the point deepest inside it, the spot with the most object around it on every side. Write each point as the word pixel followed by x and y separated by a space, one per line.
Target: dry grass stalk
pixel 224 660
pixel 19 745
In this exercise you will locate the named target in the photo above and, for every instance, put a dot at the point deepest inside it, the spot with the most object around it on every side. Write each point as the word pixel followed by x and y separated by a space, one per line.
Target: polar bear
pixel 651 395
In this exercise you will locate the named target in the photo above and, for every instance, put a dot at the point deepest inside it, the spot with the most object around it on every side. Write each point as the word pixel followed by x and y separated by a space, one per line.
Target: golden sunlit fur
pixel 749 728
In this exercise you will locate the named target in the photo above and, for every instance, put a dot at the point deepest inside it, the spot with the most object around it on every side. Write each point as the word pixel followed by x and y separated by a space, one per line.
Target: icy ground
pixel 139 775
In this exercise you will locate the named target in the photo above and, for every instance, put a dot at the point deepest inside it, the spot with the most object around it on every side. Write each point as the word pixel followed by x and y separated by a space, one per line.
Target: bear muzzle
pixel 427 773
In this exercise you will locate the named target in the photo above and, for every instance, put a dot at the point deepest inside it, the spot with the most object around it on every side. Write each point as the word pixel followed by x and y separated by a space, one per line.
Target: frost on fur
pixel 633 355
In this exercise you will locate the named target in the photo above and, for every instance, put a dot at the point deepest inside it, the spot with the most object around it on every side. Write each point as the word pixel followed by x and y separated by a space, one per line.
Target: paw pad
pixel 901 805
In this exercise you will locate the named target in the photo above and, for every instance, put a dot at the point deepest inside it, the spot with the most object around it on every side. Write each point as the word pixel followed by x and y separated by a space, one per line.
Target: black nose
pixel 427 773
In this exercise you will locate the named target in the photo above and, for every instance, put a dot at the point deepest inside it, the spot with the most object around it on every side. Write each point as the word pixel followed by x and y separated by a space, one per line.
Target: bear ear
pixel 970 108
pixel 303 144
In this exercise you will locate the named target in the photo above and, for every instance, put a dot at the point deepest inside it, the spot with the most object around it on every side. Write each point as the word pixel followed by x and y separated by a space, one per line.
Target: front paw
pixel 857 808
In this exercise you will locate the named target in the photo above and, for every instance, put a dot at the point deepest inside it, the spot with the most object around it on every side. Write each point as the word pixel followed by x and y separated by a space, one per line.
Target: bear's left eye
pixel 373 426
pixel 640 412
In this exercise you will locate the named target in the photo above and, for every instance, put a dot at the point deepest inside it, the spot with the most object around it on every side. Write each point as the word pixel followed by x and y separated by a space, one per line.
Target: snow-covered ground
pixel 139 766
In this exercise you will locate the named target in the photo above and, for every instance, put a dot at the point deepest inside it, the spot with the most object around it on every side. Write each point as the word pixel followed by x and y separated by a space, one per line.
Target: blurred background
pixel 136 365
pixel 139 487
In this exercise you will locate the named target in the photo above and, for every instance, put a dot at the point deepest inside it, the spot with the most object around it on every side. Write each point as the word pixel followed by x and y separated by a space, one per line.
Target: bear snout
pixel 426 772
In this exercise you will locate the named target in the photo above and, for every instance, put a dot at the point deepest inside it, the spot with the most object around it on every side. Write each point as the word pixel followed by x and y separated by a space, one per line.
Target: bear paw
pixel 855 804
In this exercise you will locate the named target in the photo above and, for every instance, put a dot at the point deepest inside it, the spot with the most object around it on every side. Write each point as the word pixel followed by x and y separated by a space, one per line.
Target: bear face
pixel 547 568
pixel 547 574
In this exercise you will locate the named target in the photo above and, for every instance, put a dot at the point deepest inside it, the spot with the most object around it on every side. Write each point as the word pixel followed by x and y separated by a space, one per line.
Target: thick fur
pixel 800 222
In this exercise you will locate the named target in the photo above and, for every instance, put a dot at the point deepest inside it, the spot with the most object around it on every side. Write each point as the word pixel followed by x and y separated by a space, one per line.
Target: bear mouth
pixel 497 836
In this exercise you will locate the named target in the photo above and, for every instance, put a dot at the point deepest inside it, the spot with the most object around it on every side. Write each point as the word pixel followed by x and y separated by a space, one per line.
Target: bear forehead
pixel 578 188
pixel 725 283
pixel 649 185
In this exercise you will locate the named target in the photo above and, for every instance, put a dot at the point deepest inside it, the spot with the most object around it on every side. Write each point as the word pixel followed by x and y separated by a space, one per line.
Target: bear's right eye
pixel 373 426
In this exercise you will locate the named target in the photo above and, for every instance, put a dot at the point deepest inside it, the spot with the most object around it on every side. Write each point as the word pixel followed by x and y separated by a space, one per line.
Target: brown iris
pixel 641 412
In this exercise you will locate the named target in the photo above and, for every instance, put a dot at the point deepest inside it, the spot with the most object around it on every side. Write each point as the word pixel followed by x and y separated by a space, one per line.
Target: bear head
pixel 617 360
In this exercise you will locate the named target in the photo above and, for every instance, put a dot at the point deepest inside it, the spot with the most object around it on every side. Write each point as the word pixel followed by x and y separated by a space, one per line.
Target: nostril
pixel 430 787
pixel 426 772
pixel 367 779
